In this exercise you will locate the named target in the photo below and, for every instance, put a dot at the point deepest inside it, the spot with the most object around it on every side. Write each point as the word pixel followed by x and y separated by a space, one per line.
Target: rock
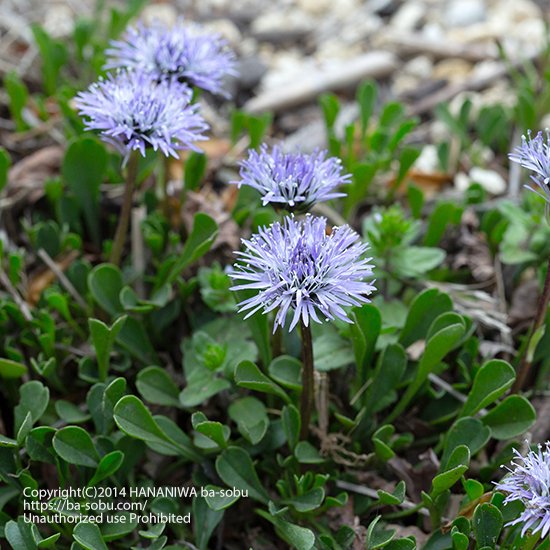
pixel 453 70
pixel 165 13
pixel 59 20
pixel 251 70
pixel 461 13
pixel 428 160
pixel 490 180
pixel 227 29
pixel 409 16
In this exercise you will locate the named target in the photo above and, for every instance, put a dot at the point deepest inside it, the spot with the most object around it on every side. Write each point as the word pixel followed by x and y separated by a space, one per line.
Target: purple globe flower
pixel 529 482
pixel 292 179
pixel 185 52
pixel 534 154
pixel 297 266
pixel 133 111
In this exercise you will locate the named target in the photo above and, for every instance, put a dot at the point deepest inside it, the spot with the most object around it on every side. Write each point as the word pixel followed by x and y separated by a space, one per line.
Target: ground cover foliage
pixel 130 366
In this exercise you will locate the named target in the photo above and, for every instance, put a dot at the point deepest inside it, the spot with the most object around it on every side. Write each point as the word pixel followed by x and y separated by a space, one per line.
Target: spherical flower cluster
pixel 292 179
pixel 529 483
pixel 133 111
pixel 299 266
pixel 534 154
pixel 185 52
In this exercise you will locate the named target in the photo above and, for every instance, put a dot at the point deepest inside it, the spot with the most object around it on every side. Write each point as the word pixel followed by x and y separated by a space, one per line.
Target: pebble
pixel 409 16
pixel 490 180
pixel 461 13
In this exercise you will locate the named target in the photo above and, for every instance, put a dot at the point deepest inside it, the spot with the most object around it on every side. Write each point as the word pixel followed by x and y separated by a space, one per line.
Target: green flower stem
pixel 124 220
pixel 527 360
pixel 307 379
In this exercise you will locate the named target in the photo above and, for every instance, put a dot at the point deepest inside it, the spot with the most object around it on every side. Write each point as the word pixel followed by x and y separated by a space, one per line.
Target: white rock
pixel 462 181
pixel 409 16
pixel 420 66
pixel 227 29
pixel 59 20
pixel 461 13
pixel 490 180
pixel 428 160
pixel 165 13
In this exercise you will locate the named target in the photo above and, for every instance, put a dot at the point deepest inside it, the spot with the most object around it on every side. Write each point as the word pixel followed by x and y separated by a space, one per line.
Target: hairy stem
pixel 307 379
pixel 526 361
pixel 124 220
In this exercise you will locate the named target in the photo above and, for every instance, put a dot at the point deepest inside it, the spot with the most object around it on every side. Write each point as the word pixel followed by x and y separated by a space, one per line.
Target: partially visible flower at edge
pixel 534 154
pixel 132 111
pixel 293 179
pixel 529 483
pixel 186 52
pixel 297 266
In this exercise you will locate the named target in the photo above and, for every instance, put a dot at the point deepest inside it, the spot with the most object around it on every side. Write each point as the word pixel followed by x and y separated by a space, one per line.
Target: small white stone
pixel 462 181
pixel 490 180
pixel 409 16
pixel 428 160
pixel 461 13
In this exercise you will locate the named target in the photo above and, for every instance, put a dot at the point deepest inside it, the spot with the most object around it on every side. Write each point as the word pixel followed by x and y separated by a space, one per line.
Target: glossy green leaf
pixel 235 468
pixel 510 418
pixel 75 446
pixel 491 381
pixel 156 386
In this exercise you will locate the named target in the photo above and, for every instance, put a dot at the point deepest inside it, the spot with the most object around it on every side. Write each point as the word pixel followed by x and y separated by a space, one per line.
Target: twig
pixel 306 403
pixel 23 306
pixel 47 259
pixel 360 490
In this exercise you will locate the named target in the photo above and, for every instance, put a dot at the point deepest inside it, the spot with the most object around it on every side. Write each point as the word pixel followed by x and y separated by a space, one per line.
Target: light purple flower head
pixel 133 111
pixel 529 482
pixel 185 52
pixel 292 180
pixel 297 266
pixel 534 154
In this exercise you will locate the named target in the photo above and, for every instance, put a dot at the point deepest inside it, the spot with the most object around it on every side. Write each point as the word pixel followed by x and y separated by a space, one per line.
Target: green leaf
pixel 364 334
pixel 491 381
pixel 49 542
pixel 134 419
pixel 201 389
pixel 487 525
pixel 248 375
pixel 108 466
pixel 465 431
pixel 11 369
pixel 39 444
pixel 286 370
pixel 366 98
pixel 70 413
pixel 415 261
pixel 18 95
pixel 390 368
pixel 202 236
pixel 5 162
pixel 306 453
pixel 426 307
pixel 157 387
pixel 105 283
pixel 84 169
pixel 24 430
pixel 103 339
pixel 443 214
pixel 205 520
pixel 7 441
pixel 134 338
pixel 396 497
pixel 235 468
pixel 510 418
pixel 216 431
pixel 53 54
pixel 180 445
pixel 307 502
pixel 218 499
pixel 454 469
pixel 291 425
pixel 34 399
pixel 250 415
pixel 195 167
pixel 298 537
pixel 89 536
pixel 437 347
pixel 19 535
pixel 75 446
